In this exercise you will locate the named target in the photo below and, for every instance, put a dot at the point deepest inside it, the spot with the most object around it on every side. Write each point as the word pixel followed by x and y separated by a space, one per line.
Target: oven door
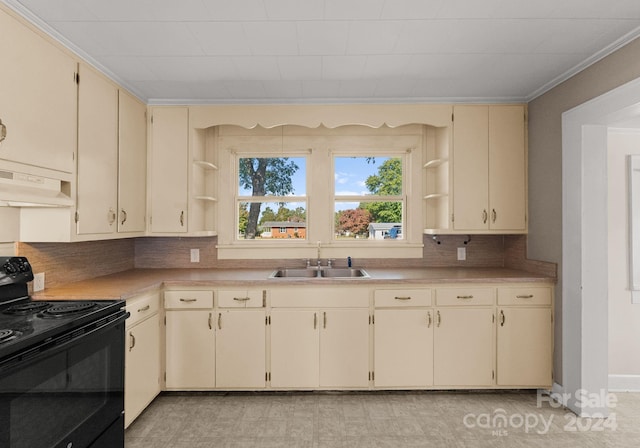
pixel 68 394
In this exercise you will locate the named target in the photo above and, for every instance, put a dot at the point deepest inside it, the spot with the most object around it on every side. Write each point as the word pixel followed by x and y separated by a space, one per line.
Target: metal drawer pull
pixel 315 321
pixel 528 296
pixel 132 342
pixel 219 321
pixel 187 300
pixel 438 319
pixel 182 218
pixel 242 299
pixel 428 319
pixel 502 318
pixel 485 216
pixel 144 308
pixel 494 215
pixel 123 213
pixel 209 321
pixel 324 319
pixel 465 297
pixel 403 298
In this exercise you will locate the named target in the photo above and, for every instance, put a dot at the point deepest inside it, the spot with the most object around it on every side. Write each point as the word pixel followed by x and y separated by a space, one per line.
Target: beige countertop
pixel 137 281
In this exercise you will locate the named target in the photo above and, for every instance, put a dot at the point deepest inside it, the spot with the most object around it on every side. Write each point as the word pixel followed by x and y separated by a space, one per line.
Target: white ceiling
pixel 232 51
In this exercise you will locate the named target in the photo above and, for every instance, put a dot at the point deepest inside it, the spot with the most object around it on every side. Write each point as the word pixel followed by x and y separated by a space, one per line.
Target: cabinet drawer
pixel 402 297
pixel 141 307
pixel 524 296
pixel 188 299
pixel 465 296
pixel 240 298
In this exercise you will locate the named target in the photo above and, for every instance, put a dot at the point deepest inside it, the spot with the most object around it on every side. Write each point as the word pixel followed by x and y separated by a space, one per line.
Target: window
pixel 369 200
pixel 271 198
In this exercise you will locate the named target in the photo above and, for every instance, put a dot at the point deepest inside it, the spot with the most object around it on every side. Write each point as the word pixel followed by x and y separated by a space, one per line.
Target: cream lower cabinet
pixel 314 347
pixel 525 337
pixel 403 338
pixel 142 355
pixel 241 344
pixel 190 340
pixel 464 337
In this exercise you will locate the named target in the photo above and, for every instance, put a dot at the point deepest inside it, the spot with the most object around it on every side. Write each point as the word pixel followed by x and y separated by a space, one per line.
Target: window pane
pixel 272 220
pixel 368 220
pixel 359 176
pixel 272 176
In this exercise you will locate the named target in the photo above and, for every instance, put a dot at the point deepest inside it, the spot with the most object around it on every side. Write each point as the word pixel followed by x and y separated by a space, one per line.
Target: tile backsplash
pixel 68 262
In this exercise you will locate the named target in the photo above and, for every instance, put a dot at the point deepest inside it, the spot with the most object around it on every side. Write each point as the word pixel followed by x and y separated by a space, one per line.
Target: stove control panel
pixel 15 270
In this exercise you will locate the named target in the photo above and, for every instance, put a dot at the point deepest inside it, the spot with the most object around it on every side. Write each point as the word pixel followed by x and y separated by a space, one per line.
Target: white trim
pixel 624 383
pixel 584 242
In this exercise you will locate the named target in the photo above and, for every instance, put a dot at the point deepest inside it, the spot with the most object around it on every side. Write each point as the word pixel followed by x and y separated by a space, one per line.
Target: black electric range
pixel 61 367
pixel 25 322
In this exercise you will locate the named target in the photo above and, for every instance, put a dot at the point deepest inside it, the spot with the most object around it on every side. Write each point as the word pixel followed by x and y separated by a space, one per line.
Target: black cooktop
pixel 26 323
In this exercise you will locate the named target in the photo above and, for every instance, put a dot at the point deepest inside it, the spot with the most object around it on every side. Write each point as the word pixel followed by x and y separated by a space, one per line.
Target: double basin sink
pixel 321 272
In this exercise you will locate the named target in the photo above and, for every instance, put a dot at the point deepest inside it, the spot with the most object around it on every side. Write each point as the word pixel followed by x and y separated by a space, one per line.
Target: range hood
pixel 29 190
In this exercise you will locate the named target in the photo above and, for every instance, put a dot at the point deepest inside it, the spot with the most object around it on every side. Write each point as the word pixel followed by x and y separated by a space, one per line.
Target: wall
pixel 545 159
pixel 624 318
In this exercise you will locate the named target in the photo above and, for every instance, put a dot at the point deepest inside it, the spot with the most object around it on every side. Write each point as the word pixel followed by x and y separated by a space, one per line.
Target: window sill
pixel 301 250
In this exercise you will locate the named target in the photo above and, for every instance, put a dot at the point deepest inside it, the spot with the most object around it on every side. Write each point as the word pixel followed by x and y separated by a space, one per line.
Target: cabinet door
pixel 294 348
pixel 132 164
pixel 38 99
pixel 344 348
pixel 240 349
pixel 463 347
pixel 190 341
pixel 169 155
pixel 403 348
pixel 524 347
pixel 507 168
pixel 470 168
pixel 97 153
pixel 142 367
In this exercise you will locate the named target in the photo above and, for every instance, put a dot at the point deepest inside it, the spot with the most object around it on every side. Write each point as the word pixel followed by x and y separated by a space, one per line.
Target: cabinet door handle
pixel 111 217
pixel 438 319
pixel 242 299
pixel 132 341
pixel 429 319
pixel 527 296
pixel 209 321
pixel 465 297
pixel 403 298
pixel 485 216
pixel 502 318
pixel 494 215
pixel 219 321
pixel 144 308
pixel 182 218
pixel 187 300
pixel 123 214
pixel 324 319
pixel 315 321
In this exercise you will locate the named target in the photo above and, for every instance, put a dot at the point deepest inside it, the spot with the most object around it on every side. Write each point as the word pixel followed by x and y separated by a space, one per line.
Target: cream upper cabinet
pixel 240 348
pixel 132 163
pixel 97 193
pixel 489 179
pixel 168 170
pixel 38 98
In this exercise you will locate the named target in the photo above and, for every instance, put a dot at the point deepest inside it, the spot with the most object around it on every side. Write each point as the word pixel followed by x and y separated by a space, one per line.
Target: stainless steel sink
pixel 344 273
pixel 319 273
pixel 295 273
